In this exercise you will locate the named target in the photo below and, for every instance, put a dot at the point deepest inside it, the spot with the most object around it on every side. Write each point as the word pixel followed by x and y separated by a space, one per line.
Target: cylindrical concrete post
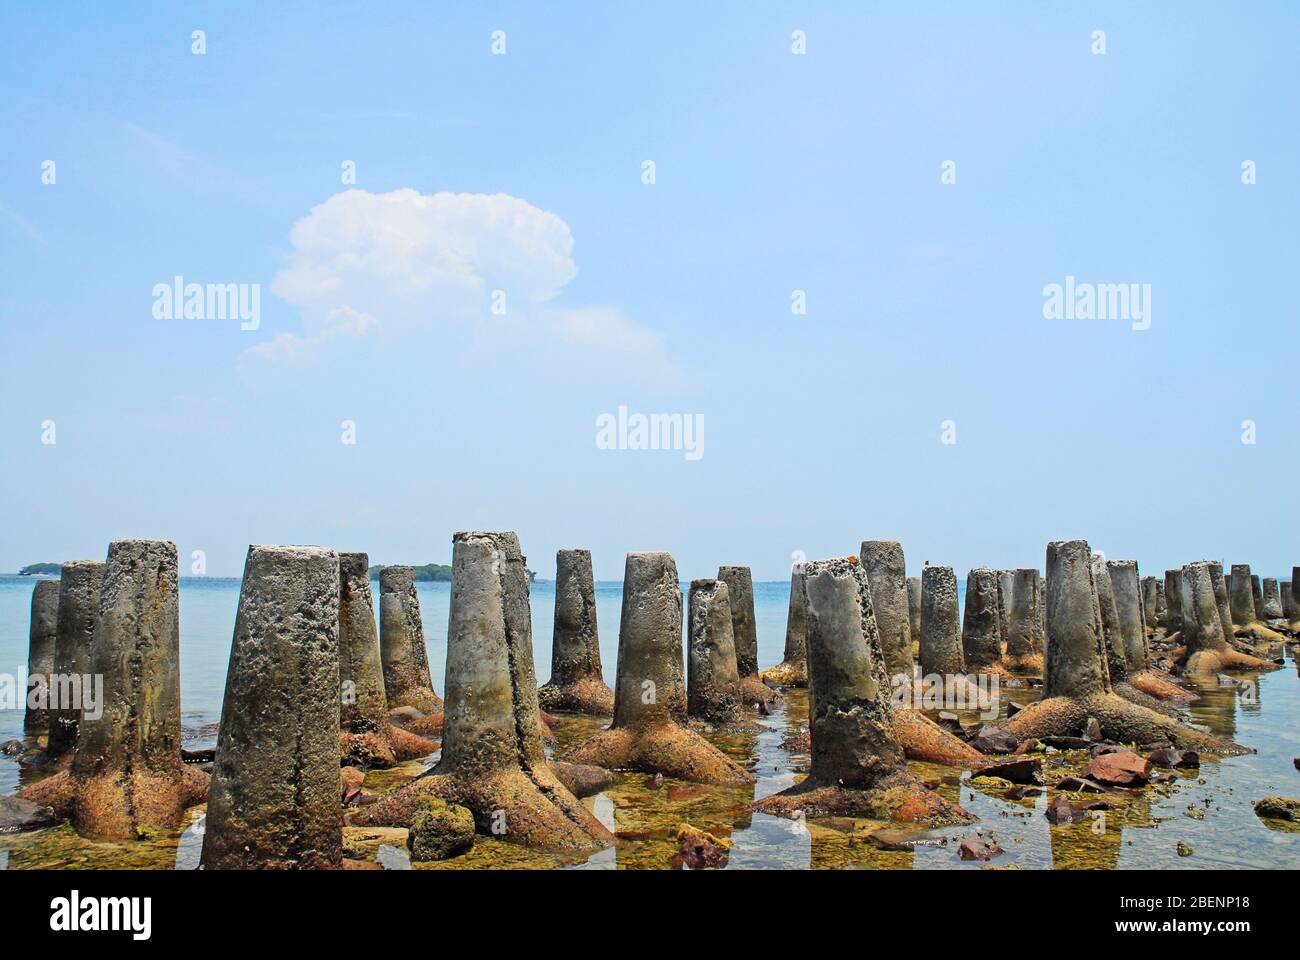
pixel 914 610
pixel 1024 618
pixel 1116 660
pixel 401 642
pixel 80 583
pixel 1075 656
pixel 792 671
pixel 740 587
pixel 576 682
pixel 1272 599
pixel 1220 587
pixel 1240 598
pixel 981 634
pixel 41 634
pixel 941 651
pixel 1257 596
pixel 1126 586
pixel 364 705
pixel 882 561
pixel 1150 614
pixel 274 800
pixel 712 680
pixel 1173 601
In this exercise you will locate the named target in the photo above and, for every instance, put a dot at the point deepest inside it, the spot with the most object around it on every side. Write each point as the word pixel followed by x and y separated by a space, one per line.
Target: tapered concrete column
pixel 712 680
pixel 1006 583
pixel 941 651
pixel 882 560
pixel 1257 596
pixel 1219 583
pixel 648 732
pixel 981 634
pixel 1126 586
pixel 914 610
pixel 493 761
pixel 127 771
pixel 1207 648
pixel 576 683
pixel 1240 598
pixel 858 764
pixel 1272 599
pixel 792 671
pixel 364 706
pixel 401 642
pixel 1173 601
pixel 1290 607
pixel 1150 612
pixel 1162 609
pixel 80 584
pixel 1116 662
pixel 41 634
pixel 274 801
pixel 1025 641
pixel 740 586
pixel 1075 657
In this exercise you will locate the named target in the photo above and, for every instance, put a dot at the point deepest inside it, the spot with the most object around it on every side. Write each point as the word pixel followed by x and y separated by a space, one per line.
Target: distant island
pixel 435 572
pixel 32 570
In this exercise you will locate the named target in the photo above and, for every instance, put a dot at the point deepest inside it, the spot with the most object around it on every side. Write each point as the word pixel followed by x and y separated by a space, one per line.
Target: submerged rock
pixel 1171 758
pixel 18 815
pixel 1026 771
pixel 440 830
pixel 976 849
pixel 701 849
pixel 1279 808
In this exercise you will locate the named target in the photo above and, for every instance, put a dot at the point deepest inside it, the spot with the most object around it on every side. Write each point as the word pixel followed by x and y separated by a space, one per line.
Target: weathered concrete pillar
pixel 648 732
pixel 1240 598
pixel 1150 612
pixel 712 680
pixel 401 642
pixel 1025 639
pixel 858 764
pixel 941 651
pixel 740 588
pixel 1173 601
pixel 1207 648
pixel 364 706
pixel 493 760
pixel 882 560
pixel 576 683
pixel 127 779
pixel 1006 583
pixel 914 611
pixel 1162 609
pixel 1126 587
pixel 1116 662
pixel 80 584
pixel 981 634
pixel 1290 600
pixel 1075 657
pixel 274 802
pixel 1272 599
pixel 41 633
pixel 792 671
pixel 1220 585
pixel 1257 596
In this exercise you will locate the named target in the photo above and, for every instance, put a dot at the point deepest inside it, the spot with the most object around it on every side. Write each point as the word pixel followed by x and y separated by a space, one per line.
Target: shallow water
pixel 1143 829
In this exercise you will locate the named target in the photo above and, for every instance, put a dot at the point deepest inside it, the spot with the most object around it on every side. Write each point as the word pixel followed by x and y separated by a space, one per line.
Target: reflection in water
pixel 1209 810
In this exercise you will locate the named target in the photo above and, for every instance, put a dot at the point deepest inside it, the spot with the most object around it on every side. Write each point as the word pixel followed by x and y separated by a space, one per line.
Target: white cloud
pixel 395 264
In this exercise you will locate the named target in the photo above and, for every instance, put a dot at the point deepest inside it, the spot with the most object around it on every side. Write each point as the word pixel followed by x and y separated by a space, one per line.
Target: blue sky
pixel 774 172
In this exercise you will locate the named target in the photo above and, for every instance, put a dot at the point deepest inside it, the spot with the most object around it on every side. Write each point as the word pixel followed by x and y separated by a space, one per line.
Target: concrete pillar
pixel 576 683
pixel 1272 599
pixel 364 708
pixel 882 561
pixel 792 671
pixel 127 772
pixel 941 651
pixel 1006 583
pixel 1150 613
pixel 981 634
pixel 1240 598
pixel 1126 586
pixel 1162 609
pixel 80 584
pixel 1075 663
pixel 275 796
pixel 401 642
pixel 1220 586
pixel 914 609
pixel 1290 602
pixel 740 586
pixel 1173 602
pixel 1024 617
pixel 1116 662
pixel 712 680
pixel 648 732
pixel 41 633
pixel 1257 596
